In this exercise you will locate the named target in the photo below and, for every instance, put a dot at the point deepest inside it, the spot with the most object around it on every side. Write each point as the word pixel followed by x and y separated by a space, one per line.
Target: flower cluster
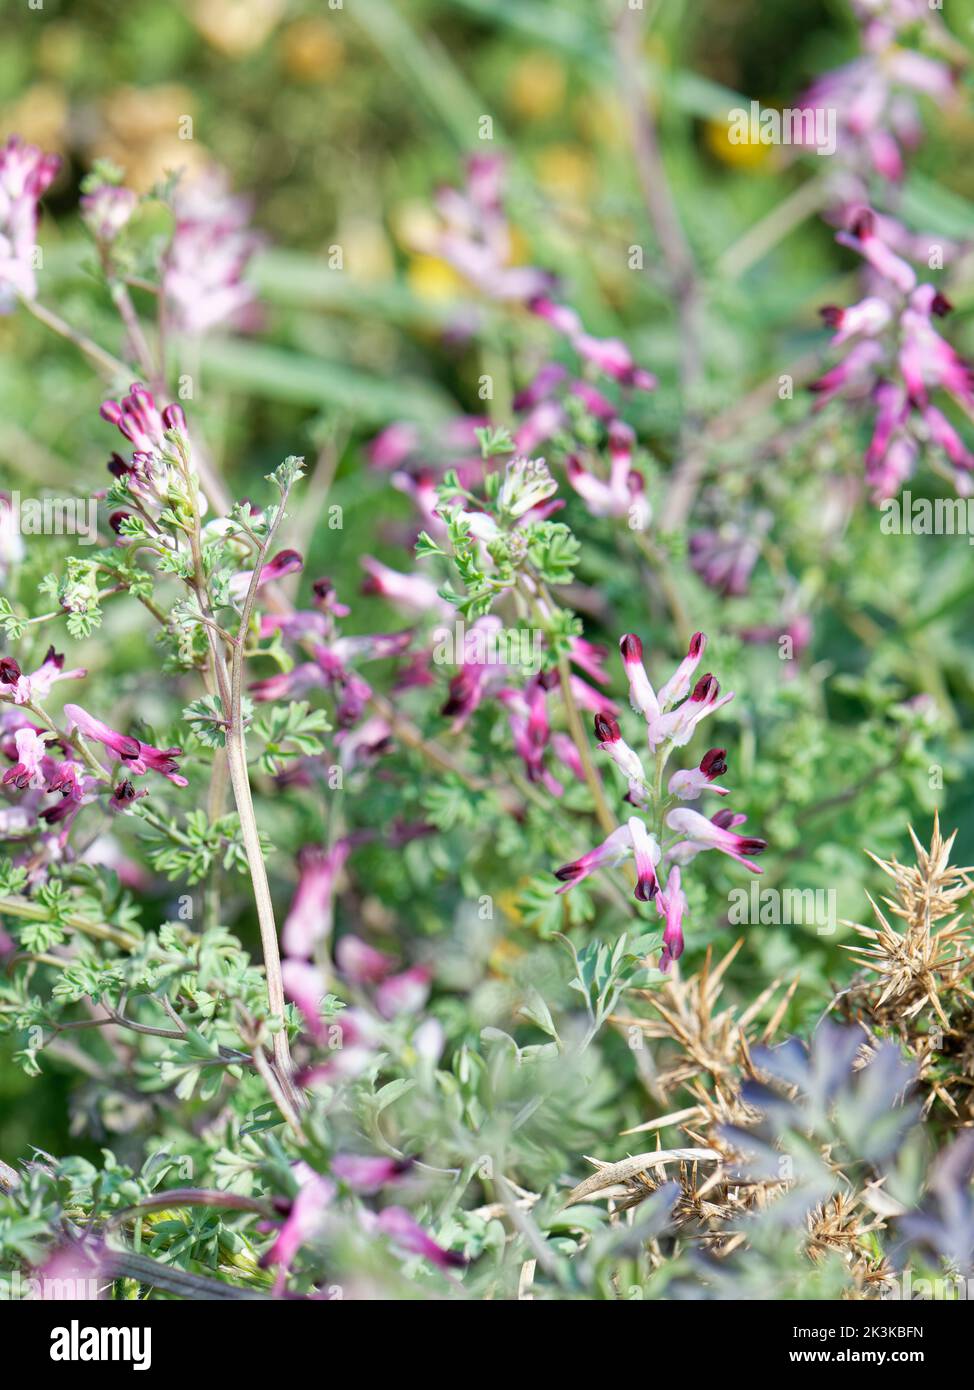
pixel 874 96
pixel 896 359
pixel 211 247
pixel 671 716
pixel 475 239
pixel 25 175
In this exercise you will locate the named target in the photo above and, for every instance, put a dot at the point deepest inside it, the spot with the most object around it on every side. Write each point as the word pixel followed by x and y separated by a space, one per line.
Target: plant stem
pixel 230 689
pixel 111 367
pixel 577 731
pixel 240 781
pixel 34 912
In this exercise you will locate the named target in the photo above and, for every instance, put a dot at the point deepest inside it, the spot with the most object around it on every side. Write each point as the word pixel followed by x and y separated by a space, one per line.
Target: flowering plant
pixel 352 890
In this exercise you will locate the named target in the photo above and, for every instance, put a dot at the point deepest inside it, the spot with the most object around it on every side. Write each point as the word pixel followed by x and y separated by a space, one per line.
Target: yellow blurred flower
pixel 40 117
pixel 236 27
pixel 761 158
pixel 414 224
pixel 536 88
pixel 142 127
pixel 600 118
pixel 311 50
pixel 567 171
pixel 366 252
pixel 504 957
pixel 432 278
pixel 520 247
pixel 60 49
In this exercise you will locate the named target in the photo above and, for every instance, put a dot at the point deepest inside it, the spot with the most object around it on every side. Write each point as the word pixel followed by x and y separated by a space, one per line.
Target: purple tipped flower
pixel 309 920
pixel 404 1231
pixel 137 756
pixel 702 834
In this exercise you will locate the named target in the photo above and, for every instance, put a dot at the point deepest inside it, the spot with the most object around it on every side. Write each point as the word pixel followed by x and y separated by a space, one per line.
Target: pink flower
pixel 864 239
pixel 625 758
pixel 853 376
pixel 926 359
pixel 405 993
pixel 305 987
pixel 725 557
pixel 945 437
pixel 404 1231
pixel 362 963
pixel 412 592
pixel 702 834
pixel 25 689
pixel 68 779
pixel 106 210
pixel 25 175
pixel 672 906
pixel 138 757
pixel 623 495
pixel 284 562
pixel 678 725
pixel 872 97
pixel 642 696
pixel 139 419
pixel 123 795
pixel 309 920
pixel 632 838
pixel 869 317
pixel 211 247
pixel 475 237
pixel 647 852
pixel 31 752
pixel 667 719
pixel 689 785
pixel 304 1220
pixel 608 355
pixel 367 1173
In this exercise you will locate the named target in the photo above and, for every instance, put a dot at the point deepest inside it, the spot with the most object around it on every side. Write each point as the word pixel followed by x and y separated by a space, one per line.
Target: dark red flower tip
pixel 631 647
pixel 9 671
pixel 706 688
pixel 568 872
pixel 753 846
pixel 646 890
pixel 864 225
pixel 714 762
pixel 940 305
pixel 116 521
pixel 173 418
pixel 118 467
pixel 723 819
pixel 129 748
pixel 322 588
pixel 696 644
pixel 460 694
pixel 370 585
pixel 832 315
pixel 606 728
pixel 547 679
